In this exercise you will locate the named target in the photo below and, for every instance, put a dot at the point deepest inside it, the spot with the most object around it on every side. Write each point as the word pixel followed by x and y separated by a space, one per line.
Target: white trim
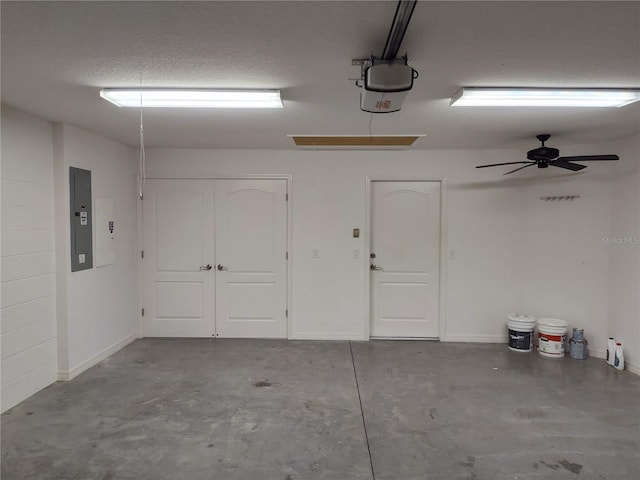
pixel 289 300
pixel 475 338
pixel 633 368
pixel 442 326
pixel 328 336
pixel 409 339
pixel 276 176
pixel 602 354
pixel 66 375
pixel 139 264
pixel 442 296
pixel 367 256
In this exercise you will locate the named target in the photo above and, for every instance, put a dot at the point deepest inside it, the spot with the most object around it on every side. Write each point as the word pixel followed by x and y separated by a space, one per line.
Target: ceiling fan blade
pixel 500 164
pixel 588 158
pixel 531 164
pixel 569 166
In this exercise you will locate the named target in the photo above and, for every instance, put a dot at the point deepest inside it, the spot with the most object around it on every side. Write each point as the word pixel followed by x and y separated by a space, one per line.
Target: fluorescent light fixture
pixel 544 97
pixel 191 98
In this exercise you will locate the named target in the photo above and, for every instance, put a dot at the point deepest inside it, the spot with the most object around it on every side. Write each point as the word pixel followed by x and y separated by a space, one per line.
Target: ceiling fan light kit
pixel 544 97
pixel 191 98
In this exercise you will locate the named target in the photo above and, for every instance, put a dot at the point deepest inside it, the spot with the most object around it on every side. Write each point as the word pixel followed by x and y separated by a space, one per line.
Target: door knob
pixel 375 267
pixel 221 267
pixel 206 268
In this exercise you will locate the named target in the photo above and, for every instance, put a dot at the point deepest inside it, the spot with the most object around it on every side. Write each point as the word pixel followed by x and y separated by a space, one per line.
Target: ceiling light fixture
pixel 191 98
pixel 544 97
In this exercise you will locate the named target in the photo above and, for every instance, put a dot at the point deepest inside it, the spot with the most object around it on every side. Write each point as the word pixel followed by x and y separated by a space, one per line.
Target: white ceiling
pixel 56 56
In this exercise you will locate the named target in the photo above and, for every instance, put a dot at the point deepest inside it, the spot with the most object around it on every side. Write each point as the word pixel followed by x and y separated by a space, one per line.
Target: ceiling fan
pixel 544 156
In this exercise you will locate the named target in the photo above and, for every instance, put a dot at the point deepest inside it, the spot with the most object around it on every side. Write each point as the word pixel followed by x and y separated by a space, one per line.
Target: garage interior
pixel 189 293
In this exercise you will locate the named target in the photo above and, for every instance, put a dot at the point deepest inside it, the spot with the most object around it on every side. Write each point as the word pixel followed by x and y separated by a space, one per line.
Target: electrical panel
pixel 81 219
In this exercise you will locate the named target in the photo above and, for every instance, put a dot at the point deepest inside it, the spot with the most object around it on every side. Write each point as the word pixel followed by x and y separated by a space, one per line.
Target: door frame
pixel 289 271
pixel 442 264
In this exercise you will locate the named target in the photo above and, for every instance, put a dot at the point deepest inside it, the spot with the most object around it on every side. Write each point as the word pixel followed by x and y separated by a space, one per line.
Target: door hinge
pixel 141 253
pixel 143 312
pixel 286 255
pixel 286 313
pixel 286 197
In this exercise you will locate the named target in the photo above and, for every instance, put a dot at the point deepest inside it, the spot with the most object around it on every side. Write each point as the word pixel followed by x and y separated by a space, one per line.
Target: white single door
pixel 405 240
pixel 178 220
pixel 251 258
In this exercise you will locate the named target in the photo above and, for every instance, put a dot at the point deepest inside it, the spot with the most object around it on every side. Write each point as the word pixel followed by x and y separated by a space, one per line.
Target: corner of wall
pixel 61 202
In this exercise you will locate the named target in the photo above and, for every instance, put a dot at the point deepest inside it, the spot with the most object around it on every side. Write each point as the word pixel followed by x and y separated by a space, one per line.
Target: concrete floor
pixel 283 410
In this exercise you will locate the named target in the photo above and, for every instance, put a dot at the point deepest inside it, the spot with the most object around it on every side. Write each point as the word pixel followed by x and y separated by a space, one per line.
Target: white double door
pixel 215 258
pixel 405 250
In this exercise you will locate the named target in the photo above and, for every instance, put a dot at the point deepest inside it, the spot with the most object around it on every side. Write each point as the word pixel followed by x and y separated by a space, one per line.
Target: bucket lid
pixel 521 317
pixel 552 322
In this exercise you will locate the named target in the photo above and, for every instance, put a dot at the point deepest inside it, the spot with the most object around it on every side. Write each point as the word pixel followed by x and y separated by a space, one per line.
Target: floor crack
pixel 364 423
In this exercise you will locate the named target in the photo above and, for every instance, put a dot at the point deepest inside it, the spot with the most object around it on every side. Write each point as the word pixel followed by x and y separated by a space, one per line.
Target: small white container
pixel 552 337
pixel 618 358
pixel 611 350
pixel 520 329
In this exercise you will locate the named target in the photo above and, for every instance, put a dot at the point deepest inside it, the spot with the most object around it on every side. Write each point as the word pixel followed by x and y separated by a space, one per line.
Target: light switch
pixel 356 233
pixel 81 258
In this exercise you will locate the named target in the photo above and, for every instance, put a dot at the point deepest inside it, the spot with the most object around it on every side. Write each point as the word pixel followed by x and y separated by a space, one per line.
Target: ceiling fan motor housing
pixel 543 154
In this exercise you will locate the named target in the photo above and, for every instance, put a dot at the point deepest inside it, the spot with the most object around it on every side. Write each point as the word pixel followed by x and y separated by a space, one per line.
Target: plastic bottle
pixel 611 347
pixel 618 361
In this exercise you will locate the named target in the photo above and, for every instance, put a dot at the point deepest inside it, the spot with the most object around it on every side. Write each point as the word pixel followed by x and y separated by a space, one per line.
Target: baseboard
pixel 633 368
pixel 630 367
pixel 327 336
pixel 66 375
pixel 475 338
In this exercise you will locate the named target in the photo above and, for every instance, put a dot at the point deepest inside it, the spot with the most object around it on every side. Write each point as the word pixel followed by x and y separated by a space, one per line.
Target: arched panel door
pixel 215 258
pixel 405 240
pixel 251 250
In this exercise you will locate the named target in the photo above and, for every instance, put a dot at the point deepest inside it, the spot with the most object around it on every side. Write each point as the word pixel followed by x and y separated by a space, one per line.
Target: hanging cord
pixel 370 120
pixel 142 172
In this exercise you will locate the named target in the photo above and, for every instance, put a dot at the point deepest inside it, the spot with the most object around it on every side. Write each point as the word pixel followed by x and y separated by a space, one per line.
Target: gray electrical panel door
pixel 81 218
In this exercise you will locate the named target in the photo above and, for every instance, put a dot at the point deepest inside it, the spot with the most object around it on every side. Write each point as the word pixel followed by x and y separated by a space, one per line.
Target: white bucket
pixel 520 330
pixel 552 337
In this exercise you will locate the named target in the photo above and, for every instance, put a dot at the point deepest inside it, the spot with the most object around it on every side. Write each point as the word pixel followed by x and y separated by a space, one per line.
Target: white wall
pixel 328 201
pixel 97 312
pixel 28 262
pixel 507 250
pixel 565 267
pixel 624 247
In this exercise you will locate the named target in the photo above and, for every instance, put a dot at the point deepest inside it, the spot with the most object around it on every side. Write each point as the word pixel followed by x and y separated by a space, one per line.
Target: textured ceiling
pixel 56 56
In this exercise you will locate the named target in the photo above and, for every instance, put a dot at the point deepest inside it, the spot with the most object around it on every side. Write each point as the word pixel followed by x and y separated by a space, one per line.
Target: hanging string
pixel 142 172
pixel 370 120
